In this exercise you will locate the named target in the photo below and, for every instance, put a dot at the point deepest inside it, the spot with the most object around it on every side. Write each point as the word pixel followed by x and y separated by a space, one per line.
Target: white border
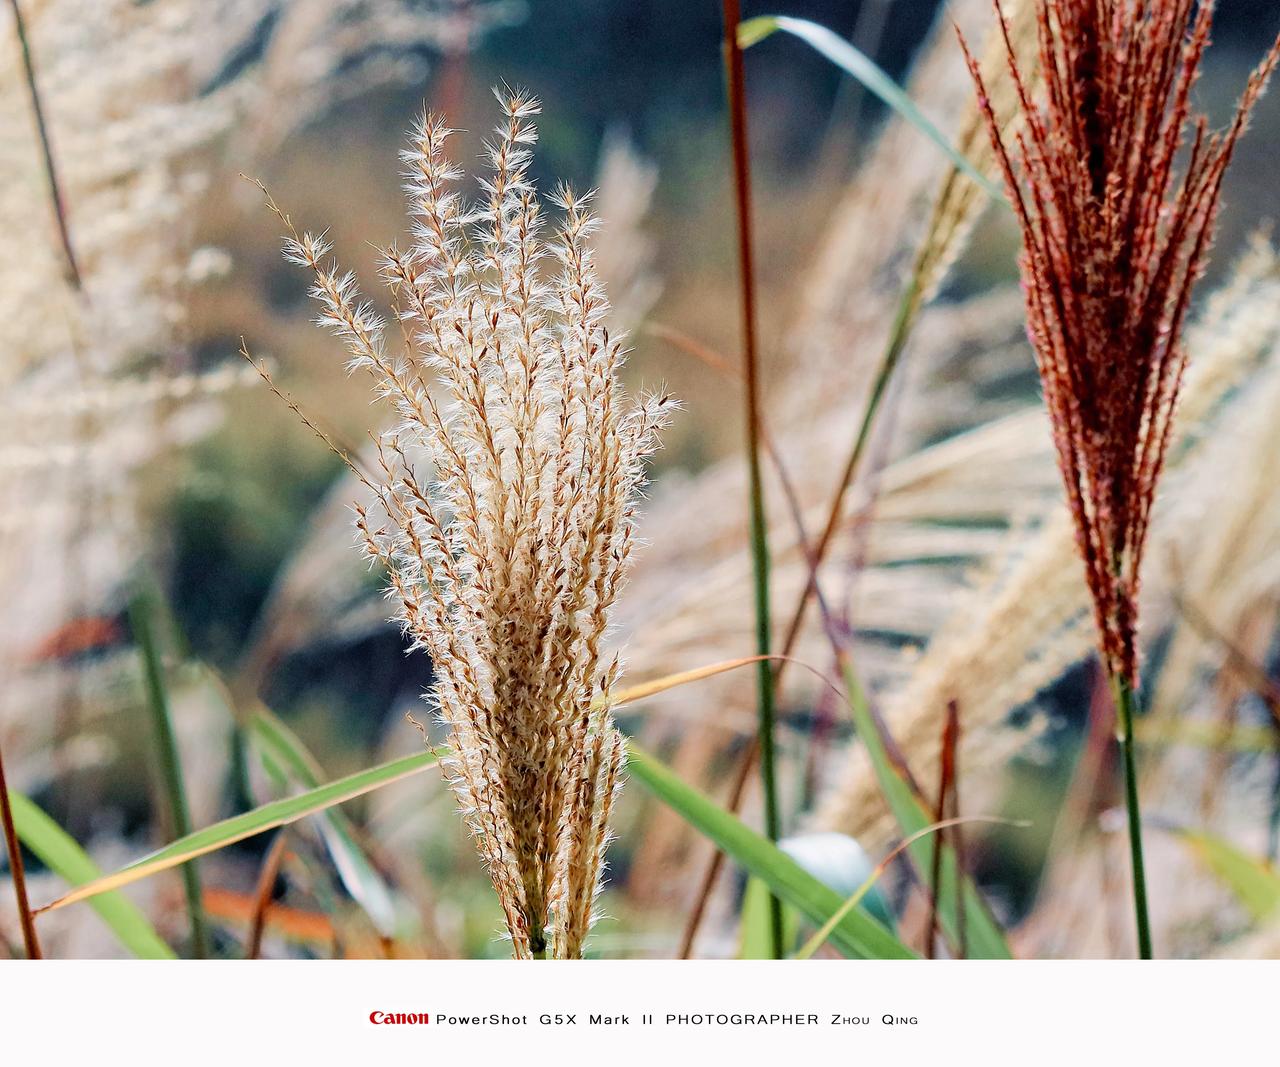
pixel 1024 1012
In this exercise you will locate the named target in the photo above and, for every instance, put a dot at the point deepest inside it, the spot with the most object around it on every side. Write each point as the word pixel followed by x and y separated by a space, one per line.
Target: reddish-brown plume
pixel 1116 186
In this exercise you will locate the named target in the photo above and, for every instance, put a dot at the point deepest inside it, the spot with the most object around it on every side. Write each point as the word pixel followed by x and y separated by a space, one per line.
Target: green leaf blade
pixel 355 871
pixel 1255 884
pixel 982 934
pixel 251 823
pixel 58 851
pixel 755 936
pixel 856 935
pixel 859 65
pixel 143 607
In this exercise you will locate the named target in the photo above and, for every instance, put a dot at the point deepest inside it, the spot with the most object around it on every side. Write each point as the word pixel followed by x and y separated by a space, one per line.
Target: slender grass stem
pixel 904 320
pixel 1126 709
pixel 30 940
pixel 910 302
pixel 173 788
pixel 46 148
pixel 905 315
pixel 736 92
pixel 267 878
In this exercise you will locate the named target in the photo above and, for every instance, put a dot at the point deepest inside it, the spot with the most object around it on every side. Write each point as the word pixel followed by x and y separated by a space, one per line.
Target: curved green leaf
pixel 1255 883
pixel 287 759
pixel 251 823
pixel 290 765
pixel 860 66
pixel 982 935
pixel 59 852
pixel 856 934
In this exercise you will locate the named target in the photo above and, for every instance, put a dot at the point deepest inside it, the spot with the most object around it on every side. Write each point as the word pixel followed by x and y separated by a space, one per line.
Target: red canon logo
pixel 399 1018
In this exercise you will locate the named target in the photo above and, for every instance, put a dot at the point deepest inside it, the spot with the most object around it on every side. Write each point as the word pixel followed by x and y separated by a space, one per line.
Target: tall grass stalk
pixel 955 209
pixel 737 108
pixel 910 302
pixel 30 940
pixel 173 788
pixel 1116 230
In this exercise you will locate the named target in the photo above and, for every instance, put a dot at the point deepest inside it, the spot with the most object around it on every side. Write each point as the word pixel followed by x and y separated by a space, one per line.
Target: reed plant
pixel 501 382
pixel 1115 235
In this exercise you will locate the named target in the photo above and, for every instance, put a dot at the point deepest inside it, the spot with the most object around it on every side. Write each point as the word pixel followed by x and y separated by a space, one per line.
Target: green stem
pixel 909 303
pixel 140 616
pixel 1126 709
pixel 736 92
pixel 903 321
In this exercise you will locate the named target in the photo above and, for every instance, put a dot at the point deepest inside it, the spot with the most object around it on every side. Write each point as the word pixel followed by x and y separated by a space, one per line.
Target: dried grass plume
pixel 506 560
pixel 1115 236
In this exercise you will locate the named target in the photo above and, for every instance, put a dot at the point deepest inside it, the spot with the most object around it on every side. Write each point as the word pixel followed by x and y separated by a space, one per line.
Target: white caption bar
pixel 625 1011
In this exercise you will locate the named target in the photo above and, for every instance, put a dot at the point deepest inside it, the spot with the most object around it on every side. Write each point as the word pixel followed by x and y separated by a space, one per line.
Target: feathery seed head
pixel 506 560
pixel 1115 235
